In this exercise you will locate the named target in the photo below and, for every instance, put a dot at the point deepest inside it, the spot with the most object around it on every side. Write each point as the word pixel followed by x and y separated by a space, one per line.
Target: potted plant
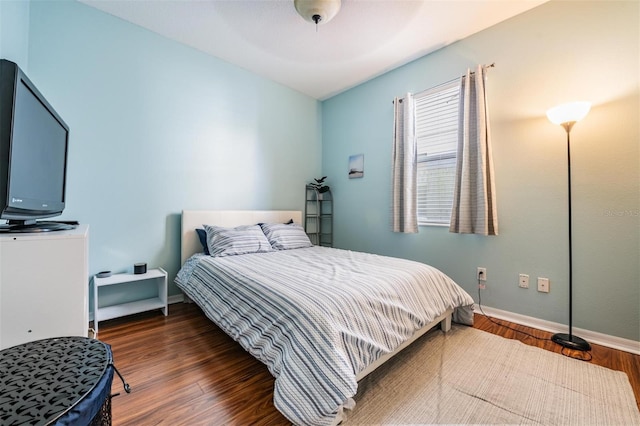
pixel 320 186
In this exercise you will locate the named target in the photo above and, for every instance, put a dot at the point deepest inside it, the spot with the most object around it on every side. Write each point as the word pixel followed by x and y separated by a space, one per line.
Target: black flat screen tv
pixel 34 143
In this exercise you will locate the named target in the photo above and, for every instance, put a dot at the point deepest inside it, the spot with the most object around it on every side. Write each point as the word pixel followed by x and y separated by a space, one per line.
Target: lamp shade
pixel 318 11
pixel 567 113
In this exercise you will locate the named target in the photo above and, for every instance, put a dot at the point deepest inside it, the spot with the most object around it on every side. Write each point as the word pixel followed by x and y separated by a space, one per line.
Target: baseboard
pixel 176 298
pixel 614 342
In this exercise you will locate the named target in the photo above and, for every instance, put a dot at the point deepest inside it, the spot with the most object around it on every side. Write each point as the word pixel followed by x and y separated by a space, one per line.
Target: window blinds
pixel 436 115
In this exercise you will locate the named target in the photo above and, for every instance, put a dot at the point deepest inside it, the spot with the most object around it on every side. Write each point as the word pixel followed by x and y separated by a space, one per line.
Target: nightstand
pixel 159 301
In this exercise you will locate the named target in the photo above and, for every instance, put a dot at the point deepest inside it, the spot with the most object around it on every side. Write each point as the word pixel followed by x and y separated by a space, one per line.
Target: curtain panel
pixel 474 201
pixel 404 214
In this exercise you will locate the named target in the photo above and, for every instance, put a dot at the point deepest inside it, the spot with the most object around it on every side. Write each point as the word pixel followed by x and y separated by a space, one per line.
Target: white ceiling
pixel 366 39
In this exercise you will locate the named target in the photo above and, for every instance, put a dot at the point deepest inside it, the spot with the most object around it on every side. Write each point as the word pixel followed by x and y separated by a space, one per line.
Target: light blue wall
pixel 157 127
pixel 14 31
pixel 555 53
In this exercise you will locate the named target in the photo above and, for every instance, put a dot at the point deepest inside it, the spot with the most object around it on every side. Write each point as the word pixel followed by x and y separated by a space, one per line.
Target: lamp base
pixel 571 342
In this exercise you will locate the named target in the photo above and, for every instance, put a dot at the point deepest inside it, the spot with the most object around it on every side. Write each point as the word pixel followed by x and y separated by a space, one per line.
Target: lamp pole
pixel 569 340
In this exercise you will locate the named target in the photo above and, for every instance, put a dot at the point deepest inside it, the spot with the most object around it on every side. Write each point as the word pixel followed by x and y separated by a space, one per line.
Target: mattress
pixel 318 316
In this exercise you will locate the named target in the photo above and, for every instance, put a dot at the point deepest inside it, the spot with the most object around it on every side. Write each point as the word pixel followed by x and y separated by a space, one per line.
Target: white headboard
pixel 192 219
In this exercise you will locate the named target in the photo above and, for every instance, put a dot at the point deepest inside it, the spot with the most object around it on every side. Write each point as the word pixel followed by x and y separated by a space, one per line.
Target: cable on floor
pixel 563 351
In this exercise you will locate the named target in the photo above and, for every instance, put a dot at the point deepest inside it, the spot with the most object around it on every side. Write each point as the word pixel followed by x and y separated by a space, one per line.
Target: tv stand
pixel 44 289
pixel 39 226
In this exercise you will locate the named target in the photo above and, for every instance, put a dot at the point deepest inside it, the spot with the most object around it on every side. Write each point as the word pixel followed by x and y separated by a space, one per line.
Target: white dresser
pixel 44 285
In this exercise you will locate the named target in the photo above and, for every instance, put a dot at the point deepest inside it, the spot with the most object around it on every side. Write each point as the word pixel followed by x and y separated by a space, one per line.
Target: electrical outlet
pixel 544 285
pixel 481 274
pixel 523 282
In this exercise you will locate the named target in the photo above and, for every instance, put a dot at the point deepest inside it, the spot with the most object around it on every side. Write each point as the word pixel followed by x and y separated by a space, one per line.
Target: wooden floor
pixel 183 370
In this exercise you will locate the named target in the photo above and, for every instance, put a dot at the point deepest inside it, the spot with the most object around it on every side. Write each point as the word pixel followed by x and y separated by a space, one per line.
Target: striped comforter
pixel 317 316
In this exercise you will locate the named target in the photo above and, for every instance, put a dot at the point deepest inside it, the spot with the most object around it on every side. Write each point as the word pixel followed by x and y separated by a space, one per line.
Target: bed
pixel 319 318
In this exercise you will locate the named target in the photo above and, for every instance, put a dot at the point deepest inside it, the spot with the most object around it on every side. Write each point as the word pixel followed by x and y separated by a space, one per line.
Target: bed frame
pixel 192 219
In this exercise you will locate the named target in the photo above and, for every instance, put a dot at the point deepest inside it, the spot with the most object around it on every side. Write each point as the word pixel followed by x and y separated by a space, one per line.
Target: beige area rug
pixel 468 376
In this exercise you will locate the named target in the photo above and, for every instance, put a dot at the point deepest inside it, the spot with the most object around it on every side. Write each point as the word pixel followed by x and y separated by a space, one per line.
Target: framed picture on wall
pixel 356 166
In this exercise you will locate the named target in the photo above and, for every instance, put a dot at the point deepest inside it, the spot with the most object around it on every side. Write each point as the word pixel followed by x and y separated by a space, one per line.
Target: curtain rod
pixel 491 65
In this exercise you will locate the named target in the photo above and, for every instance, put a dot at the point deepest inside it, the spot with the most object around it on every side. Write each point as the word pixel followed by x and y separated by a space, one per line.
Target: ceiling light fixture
pixel 318 11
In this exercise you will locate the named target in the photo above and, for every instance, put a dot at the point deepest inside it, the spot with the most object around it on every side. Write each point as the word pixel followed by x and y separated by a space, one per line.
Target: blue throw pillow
pixel 202 236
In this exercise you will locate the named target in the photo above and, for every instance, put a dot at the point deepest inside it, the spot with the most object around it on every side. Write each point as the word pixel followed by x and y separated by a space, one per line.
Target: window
pixel 436 115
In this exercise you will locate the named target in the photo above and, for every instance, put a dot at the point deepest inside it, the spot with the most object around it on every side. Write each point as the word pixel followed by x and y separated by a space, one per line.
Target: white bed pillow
pixel 239 240
pixel 286 236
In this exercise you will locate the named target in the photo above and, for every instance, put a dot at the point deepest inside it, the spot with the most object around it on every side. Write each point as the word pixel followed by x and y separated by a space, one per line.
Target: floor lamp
pixel 567 115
